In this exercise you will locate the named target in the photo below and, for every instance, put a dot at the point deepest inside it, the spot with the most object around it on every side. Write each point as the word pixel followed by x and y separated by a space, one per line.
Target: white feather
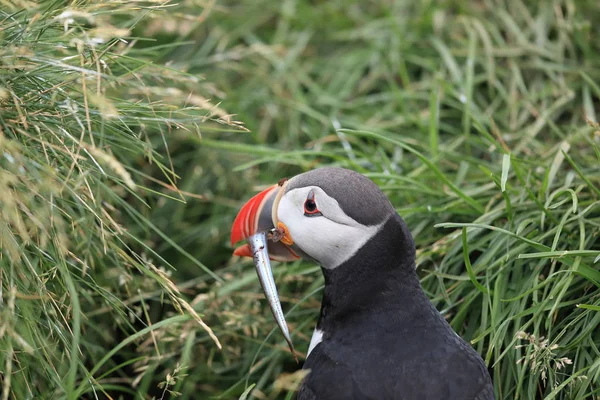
pixel 317 338
pixel 330 239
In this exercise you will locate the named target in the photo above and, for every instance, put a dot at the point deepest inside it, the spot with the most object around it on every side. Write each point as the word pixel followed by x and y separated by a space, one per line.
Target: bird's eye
pixel 310 206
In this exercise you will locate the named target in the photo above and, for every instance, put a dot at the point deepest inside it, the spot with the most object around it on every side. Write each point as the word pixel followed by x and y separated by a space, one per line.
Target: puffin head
pixel 325 215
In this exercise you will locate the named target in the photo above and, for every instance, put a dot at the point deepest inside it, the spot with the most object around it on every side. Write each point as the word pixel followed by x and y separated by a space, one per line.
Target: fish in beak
pixel 268 239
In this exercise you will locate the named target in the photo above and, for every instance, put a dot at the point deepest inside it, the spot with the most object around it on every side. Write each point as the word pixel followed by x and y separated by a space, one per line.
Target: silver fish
pixel 260 254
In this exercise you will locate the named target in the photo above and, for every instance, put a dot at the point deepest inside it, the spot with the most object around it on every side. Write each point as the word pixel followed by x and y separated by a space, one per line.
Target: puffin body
pixel 378 336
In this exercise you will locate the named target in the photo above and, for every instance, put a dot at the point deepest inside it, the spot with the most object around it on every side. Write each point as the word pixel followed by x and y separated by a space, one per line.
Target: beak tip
pixel 234 238
pixel 238 229
pixel 243 251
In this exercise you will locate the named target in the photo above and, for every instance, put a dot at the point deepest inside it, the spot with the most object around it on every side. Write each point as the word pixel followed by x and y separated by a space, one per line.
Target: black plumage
pixel 383 338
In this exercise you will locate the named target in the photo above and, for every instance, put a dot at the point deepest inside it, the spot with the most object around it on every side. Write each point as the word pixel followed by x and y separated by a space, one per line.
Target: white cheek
pixel 328 242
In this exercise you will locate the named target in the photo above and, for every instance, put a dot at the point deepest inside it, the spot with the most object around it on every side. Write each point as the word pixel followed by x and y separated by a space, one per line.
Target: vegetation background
pixel 132 131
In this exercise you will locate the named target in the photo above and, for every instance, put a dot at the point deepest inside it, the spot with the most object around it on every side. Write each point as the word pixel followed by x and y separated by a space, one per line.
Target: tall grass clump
pixel 85 120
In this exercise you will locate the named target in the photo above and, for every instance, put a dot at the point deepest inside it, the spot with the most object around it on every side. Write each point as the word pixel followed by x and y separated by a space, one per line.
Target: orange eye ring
pixel 310 206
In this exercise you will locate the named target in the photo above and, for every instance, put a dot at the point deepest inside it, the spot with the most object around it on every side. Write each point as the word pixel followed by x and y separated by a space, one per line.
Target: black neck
pixel 379 278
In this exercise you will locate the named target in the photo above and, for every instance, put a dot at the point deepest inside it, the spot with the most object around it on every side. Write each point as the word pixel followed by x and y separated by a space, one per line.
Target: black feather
pixel 383 338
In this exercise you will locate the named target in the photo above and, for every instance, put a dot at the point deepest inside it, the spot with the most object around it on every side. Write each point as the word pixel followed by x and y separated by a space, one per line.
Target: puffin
pixel 378 336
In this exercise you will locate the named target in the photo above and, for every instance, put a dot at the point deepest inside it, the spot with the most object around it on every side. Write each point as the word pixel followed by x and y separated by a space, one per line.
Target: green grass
pixel 122 168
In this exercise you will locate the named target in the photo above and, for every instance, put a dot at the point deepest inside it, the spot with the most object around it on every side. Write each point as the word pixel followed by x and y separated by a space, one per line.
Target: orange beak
pixel 259 214
pixel 256 219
